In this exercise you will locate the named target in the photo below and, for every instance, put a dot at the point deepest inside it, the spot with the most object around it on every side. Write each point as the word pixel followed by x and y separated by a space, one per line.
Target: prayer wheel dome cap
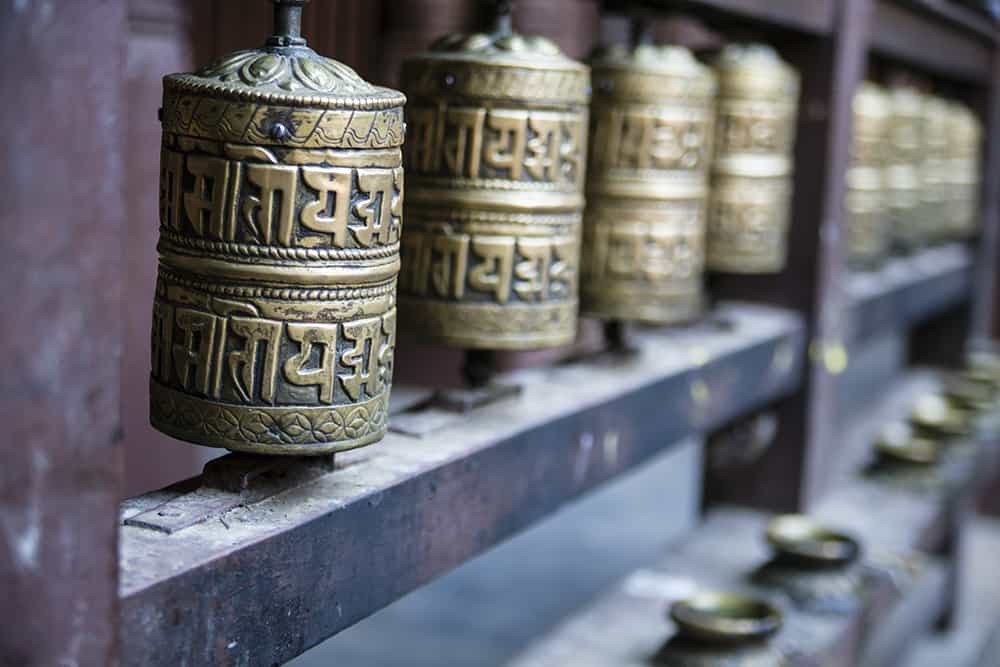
pixel 294 76
pixel 655 60
pixel 282 94
pixel 285 72
pixel 501 65
pixel 756 70
pixel 502 48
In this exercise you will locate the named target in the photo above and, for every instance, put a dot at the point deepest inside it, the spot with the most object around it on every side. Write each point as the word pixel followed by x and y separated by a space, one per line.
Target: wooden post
pixel 62 215
pixel 791 473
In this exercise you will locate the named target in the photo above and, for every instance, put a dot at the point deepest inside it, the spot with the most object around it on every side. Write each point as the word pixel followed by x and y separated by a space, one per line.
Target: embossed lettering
pixel 448 265
pixel 323 335
pixel 376 210
pixel 192 358
pixel 505 149
pixel 424 138
pixel 543 148
pixel 495 272
pixel 171 171
pixel 243 363
pixel 362 358
pixel 328 213
pixel 562 273
pixel 387 349
pixel 161 344
pixel 270 216
pixel 205 205
pixel 532 274
pixel 462 146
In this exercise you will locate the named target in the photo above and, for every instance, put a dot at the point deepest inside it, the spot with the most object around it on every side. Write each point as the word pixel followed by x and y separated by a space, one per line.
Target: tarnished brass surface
pixel 963 172
pixel 653 112
pixel 903 172
pixel 751 172
pixel 281 193
pixel 495 169
pixel 725 618
pixel 867 205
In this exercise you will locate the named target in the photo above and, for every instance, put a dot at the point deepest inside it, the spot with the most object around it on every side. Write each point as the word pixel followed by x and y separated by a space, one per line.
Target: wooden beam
pixel 62 216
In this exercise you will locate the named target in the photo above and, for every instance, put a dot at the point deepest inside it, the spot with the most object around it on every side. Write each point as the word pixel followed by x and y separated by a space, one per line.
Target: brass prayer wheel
pixel 495 169
pixel 867 208
pixel 653 112
pixel 962 174
pixel 934 187
pixel 903 172
pixel 281 195
pixel 751 172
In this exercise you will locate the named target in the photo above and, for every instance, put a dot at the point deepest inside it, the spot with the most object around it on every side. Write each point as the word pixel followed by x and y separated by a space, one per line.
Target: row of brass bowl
pixel 729 620
pixel 914 173
pixel 939 419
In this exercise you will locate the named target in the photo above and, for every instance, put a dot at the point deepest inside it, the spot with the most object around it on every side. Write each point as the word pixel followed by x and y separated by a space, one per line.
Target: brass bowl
pixel 984 364
pixel 935 414
pixel 966 392
pixel 802 539
pixel 725 618
pixel 899 444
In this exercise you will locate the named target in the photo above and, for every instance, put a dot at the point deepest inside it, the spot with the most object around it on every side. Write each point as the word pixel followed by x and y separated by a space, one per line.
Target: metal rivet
pixel 279 132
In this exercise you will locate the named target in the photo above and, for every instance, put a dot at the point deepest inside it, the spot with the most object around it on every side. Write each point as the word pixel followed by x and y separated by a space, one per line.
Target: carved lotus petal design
pixel 301 70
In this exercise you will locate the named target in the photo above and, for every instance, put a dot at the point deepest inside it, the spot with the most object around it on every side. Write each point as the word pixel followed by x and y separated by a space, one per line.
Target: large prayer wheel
pixel 653 112
pixel 752 169
pixel 497 126
pixel 281 198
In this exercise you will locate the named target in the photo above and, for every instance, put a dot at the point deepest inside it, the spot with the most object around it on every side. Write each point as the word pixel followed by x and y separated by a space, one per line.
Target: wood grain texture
pixel 60 263
pixel 394 516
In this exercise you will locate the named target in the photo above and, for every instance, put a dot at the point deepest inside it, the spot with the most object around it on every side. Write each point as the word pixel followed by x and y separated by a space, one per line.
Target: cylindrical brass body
pixel 751 172
pixel 903 172
pixel 495 169
pixel 934 190
pixel 647 185
pixel 867 206
pixel 280 213
pixel 963 177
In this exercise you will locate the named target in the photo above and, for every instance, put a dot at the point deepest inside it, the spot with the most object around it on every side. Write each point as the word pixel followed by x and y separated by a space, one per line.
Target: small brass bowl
pixel 936 414
pixel 801 539
pixel 725 618
pixel 984 366
pixel 899 444
pixel 966 393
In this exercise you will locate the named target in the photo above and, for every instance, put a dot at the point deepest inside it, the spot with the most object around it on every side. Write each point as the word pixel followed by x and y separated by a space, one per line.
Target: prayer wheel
pixel 653 112
pixel 934 185
pixel 281 191
pixel 903 172
pixel 867 207
pixel 752 169
pixel 962 175
pixel 497 126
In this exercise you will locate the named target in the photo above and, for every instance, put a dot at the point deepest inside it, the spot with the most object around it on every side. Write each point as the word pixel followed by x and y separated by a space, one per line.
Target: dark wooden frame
pixel 64 229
